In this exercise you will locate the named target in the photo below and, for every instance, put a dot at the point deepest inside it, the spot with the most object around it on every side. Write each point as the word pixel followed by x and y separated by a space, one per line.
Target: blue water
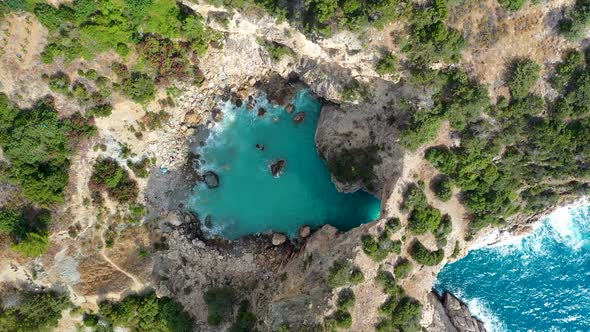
pixel 538 283
pixel 250 200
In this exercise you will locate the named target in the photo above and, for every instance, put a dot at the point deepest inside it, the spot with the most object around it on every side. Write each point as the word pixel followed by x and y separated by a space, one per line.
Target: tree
pixel 139 87
pixel 423 256
pixel 37 312
pixel 525 73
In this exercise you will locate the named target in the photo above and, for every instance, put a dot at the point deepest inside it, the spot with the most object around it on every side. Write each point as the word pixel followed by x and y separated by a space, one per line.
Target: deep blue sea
pixel 250 200
pixel 537 283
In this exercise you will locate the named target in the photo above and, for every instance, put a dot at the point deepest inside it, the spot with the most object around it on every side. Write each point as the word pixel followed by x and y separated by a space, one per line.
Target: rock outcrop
pixel 452 315
pixel 276 168
pixel 211 179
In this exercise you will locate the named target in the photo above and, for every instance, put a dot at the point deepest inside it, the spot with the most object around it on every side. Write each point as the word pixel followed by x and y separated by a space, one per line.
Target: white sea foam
pixel 479 309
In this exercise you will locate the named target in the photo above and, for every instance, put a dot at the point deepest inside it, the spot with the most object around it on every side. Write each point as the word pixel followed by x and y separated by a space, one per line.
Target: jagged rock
pixel 459 316
pixel 278 239
pixel 277 167
pixel 192 119
pixel 211 179
pixel 261 112
pixel 250 104
pixel 299 117
pixel 217 115
pixel 290 108
pixel 304 231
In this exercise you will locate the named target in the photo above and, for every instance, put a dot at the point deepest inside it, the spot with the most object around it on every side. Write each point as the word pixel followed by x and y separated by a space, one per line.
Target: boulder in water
pixel 261 112
pixel 211 179
pixel 217 115
pixel 290 108
pixel 304 231
pixel 299 117
pixel 278 239
pixel 277 167
pixel 260 147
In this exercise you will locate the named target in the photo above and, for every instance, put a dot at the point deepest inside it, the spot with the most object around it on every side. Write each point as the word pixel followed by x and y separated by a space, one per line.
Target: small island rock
pixel 278 239
pixel 277 167
pixel 299 117
pixel 290 108
pixel 211 179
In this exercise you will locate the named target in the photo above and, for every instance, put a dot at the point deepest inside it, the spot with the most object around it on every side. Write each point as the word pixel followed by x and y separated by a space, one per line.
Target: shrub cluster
pixel 442 188
pixel 36 312
pixel 28 234
pixel 379 249
pixel 38 145
pixel 400 312
pixel 343 273
pixel 423 256
pixel 108 175
pixel 146 313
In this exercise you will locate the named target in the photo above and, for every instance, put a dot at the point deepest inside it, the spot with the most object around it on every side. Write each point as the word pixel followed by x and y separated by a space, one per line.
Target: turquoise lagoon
pixel 537 283
pixel 249 199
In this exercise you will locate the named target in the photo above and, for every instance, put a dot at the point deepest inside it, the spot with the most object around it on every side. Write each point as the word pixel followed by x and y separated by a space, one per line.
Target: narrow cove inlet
pixel 271 177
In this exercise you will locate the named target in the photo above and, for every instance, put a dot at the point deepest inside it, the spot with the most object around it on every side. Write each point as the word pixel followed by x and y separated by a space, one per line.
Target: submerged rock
pixel 261 112
pixel 211 179
pixel 277 167
pixel 278 239
pixel 260 147
pixel 299 117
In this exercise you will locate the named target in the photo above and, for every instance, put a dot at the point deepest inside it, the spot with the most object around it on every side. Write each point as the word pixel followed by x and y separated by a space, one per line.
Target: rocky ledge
pixel 452 315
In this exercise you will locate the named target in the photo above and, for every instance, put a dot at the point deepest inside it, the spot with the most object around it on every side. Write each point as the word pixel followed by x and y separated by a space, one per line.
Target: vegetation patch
pixel 220 303
pixel 146 313
pixel 423 256
pixel 355 165
pixel 36 312
pixel 442 188
pixel 115 180
pixel 379 249
pixel 343 273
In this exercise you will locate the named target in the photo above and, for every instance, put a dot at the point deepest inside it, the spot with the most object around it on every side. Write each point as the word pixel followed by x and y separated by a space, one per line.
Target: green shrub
pixel 275 50
pixel 37 312
pixel 38 145
pixel 140 168
pixel 423 256
pixel 100 111
pixel 523 77
pixel 90 320
pixel 154 121
pixel 139 87
pixel 355 165
pixel 346 299
pixel 513 5
pixel 442 188
pixel 424 219
pixel 402 269
pixel 11 222
pixel 60 83
pixel 343 273
pixel 574 25
pixel 146 313
pixel 246 320
pixel 444 228
pixel 33 244
pixel 220 302
pixel 355 91
pixel 387 64
pixel 393 225
pixel 442 159
pixel 387 283
pixel 343 319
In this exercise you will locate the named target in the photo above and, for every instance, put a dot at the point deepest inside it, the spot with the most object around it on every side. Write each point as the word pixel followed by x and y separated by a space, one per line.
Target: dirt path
pixel 137 284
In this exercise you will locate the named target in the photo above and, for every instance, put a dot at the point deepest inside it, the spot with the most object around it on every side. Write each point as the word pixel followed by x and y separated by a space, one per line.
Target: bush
pixel 423 256
pixel 442 159
pixel 60 83
pixel 355 165
pixel 11 222
pixel 139 87
pixel 380 248
pixel 109 176
pixel 100 111
pixel 573 26
pixel 275 50
pixel 146 313
pixel 387 65
pixel 525 74
pixel 424 219
pixel 343 273
pixel 444 228
pixel 355 91
pixel 393 225
pixel 402 269
pixel 220 302
pixel 33 244
pixel 513 5
pixel 387 283
pixel 38 145
pixel 246 320
pixel 90 320
pixel 442 188
pixel 346 299
pixel 37 312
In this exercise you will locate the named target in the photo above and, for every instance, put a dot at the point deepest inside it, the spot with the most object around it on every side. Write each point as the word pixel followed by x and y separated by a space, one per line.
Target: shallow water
pixel 538 283
pixel 250 200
